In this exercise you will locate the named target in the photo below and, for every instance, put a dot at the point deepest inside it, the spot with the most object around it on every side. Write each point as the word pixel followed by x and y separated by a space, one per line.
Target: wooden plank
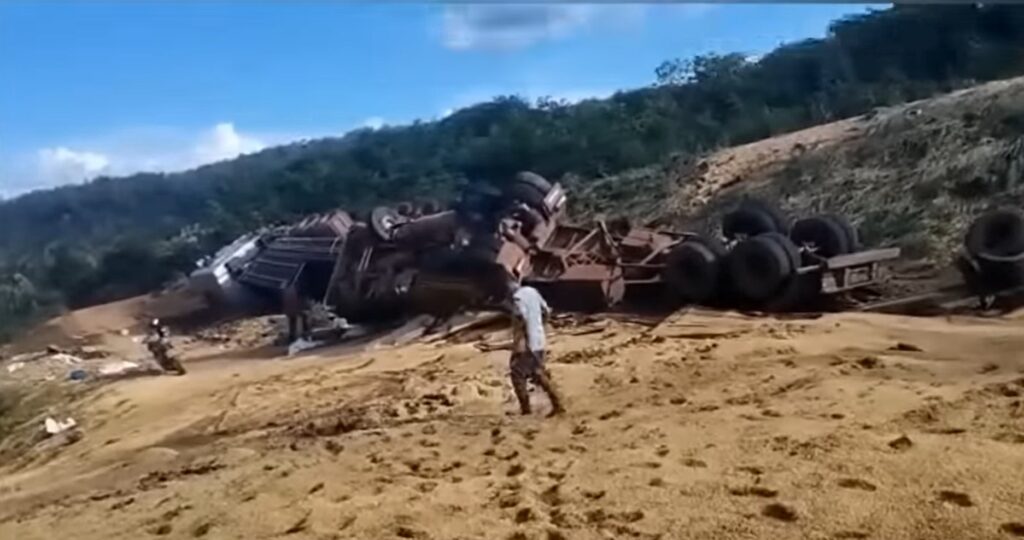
pixel 862 257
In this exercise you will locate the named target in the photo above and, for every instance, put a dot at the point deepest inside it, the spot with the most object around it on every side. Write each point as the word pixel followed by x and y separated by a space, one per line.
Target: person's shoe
pixel 557 411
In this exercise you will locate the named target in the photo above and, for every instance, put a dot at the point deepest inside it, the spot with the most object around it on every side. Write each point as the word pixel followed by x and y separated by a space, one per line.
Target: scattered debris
pixel 955 497
pixel 905 347
pixel 54 427
pixel 901 443
pixel 301 345
pixel 113 369
pixel 869 362
pixel 77 375
pixel 1013 528
pixel 779 511
pixel 299 525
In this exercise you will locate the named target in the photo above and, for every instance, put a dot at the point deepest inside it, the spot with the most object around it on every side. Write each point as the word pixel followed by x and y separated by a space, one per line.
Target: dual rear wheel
pixel 767 252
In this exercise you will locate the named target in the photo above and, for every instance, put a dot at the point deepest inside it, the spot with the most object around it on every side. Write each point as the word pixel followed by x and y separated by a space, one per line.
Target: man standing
pixel 296 309
pixel 529 311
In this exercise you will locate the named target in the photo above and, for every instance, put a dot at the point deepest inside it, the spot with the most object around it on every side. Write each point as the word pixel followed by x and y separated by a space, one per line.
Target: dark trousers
pixel 528 366
pixel 298 325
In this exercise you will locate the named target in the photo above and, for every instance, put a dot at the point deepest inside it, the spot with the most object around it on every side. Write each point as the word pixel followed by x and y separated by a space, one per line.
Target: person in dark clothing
pixel 296 308
pixel 159 344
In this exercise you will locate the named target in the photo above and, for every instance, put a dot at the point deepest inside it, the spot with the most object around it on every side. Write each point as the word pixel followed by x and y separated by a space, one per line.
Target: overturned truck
pixel 429 259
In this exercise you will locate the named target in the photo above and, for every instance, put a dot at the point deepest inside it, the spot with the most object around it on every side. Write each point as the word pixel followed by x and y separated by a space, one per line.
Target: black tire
pixel 405 209
pixel 528 195
pixel 171 364
pixel 383 220
pixel 996 234
pixel 852 236
pixel 828 236
pixel 996 275
pixel 792 252
pixel 970 273
pixel 693 269
pixel 533 179
pixel 530 219
pixel 760 266
pixel 429 206
pixel 752 218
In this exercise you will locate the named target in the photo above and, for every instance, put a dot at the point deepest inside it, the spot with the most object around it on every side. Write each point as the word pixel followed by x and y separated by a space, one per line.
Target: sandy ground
pixel 707 426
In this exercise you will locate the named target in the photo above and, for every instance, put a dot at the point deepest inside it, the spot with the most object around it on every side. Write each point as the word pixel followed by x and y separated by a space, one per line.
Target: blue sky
pixel 94 88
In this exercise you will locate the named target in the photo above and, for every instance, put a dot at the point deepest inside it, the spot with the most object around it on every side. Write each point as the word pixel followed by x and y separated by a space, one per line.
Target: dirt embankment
pixel 105 325
pixel 913 175
pixel 707 426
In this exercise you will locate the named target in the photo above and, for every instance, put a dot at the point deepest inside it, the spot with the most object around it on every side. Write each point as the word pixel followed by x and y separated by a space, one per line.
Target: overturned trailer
pixel 990 265
pixel 428 259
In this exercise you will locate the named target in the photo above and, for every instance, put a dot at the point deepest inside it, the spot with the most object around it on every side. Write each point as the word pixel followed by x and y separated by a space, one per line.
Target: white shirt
pixel 529 309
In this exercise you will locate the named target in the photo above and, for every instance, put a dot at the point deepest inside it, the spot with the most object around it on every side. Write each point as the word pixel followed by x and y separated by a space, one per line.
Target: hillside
pixel 912 175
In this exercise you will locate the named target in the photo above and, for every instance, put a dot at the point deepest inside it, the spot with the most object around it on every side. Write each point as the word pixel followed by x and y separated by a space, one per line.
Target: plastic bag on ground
pixel 300 345
pixel 53 427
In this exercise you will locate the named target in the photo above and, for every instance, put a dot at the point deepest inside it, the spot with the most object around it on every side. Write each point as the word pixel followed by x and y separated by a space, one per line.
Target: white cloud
pixel 222 142
pixel 126 152
pixel 62 165
pixel 373 122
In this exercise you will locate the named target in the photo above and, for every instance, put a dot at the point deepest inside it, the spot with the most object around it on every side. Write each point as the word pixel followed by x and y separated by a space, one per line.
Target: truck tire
pixel 827 235
pixel 533 179
pixel 528 195
pixel 693 269
pixel 383 220
pixel 996 234
pixel 429 206
pixel 760 266
pixel 851 232
pixel 405 209
pixel 752 218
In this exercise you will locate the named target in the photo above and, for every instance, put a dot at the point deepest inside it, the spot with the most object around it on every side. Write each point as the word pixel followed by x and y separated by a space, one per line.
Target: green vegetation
pixel 115 237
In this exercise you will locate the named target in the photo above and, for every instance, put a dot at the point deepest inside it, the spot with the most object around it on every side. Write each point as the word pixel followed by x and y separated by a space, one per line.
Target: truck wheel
pixel 405 209
pixel 429 206
pixel 383 220
pixel 752 218
pixel 851 232
pixel 528 195
pixel 761 265
pixel 999 233
pixel 827 235
pixel 693 269
pixel 533 179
